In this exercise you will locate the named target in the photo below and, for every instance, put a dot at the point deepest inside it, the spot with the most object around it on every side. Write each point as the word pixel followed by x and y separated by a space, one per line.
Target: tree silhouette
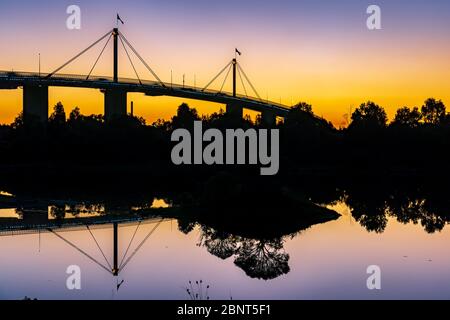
pixel 300 114
pixel 304 107
pixel 75 114
pixel 369 115
pixel 433 111
pixel 185 117
pixel 58 117
pixel 18 122
pixel 406 117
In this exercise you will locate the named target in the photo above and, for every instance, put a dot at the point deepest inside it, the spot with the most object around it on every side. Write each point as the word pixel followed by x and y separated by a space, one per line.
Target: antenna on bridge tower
pixel 236 53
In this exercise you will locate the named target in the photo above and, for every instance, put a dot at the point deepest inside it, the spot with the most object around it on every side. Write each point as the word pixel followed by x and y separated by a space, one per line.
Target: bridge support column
pixel 235 110
pixel 269 118
pixel 35 103
pixel 115 103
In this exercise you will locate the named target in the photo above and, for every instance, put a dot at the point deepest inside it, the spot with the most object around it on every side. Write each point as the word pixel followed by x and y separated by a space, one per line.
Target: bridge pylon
pixel 115 101
pixel 115 98
pixel 115 34
pixel 35 103
pixel 235 108
pixel 234 62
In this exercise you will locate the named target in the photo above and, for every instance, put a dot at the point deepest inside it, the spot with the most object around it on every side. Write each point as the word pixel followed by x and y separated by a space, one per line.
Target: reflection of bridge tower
pixel 34 218
pixel 116 266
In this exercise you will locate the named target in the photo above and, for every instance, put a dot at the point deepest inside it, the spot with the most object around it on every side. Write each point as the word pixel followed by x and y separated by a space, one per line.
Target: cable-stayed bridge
pixel 35 86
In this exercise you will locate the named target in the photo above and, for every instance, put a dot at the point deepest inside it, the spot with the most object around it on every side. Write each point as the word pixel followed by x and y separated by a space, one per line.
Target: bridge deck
pixel 9 227
pixel 13 80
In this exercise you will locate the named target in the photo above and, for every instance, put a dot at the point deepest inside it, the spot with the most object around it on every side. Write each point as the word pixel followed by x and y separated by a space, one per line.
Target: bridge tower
pixel 115 99
pixel 116 53
pixel 234 109
pixel 234 76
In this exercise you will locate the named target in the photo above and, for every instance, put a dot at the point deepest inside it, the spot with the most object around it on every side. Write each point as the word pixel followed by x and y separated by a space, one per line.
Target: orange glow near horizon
pixel 333 63
pixel 332 84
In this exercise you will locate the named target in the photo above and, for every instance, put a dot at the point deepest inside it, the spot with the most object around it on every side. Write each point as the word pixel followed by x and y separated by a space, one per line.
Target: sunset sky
pixel 320 52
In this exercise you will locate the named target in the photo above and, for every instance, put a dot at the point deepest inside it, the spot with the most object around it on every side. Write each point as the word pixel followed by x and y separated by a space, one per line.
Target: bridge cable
pixel 79 250
pixel 101 53
pixel 78 55
pixel 142 243
pixel 131 61
pixel 218 75
pixel 129 245
pixel 224 80
pixel 142 60
pixel 98 246
pixel 248 80
pixel 242 81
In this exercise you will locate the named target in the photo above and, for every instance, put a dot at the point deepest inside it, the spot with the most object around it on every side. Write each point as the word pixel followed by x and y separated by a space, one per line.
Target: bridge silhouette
pixel 35 86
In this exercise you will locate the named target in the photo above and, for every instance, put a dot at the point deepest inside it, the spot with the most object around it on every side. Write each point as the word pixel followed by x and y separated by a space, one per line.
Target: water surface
pixel 326 261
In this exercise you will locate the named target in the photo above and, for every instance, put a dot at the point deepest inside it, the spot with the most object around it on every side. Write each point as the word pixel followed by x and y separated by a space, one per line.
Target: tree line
pixel 415 141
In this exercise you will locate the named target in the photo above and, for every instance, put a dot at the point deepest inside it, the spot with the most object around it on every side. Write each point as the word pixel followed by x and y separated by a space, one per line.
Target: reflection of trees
pixel 373 222
pixel 370 214
pixel 219 244
pixel 86 208
pixel 262 259
pixel 415 211
pixel 185 225
pixel 373 208
pixel 58 211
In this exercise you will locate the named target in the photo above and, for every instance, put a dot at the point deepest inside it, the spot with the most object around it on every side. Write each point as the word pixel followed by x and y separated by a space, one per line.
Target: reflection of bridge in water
pixel 35 86
pixel 36 221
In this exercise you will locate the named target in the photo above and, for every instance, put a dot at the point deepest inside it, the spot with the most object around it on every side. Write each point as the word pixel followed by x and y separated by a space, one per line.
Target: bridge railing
pixel 23 76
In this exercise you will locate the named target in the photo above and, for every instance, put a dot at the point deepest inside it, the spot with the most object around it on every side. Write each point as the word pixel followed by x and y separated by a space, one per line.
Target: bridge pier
pixel 115 103
pixel 269 118
pixel 35 103
pixel 235 110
